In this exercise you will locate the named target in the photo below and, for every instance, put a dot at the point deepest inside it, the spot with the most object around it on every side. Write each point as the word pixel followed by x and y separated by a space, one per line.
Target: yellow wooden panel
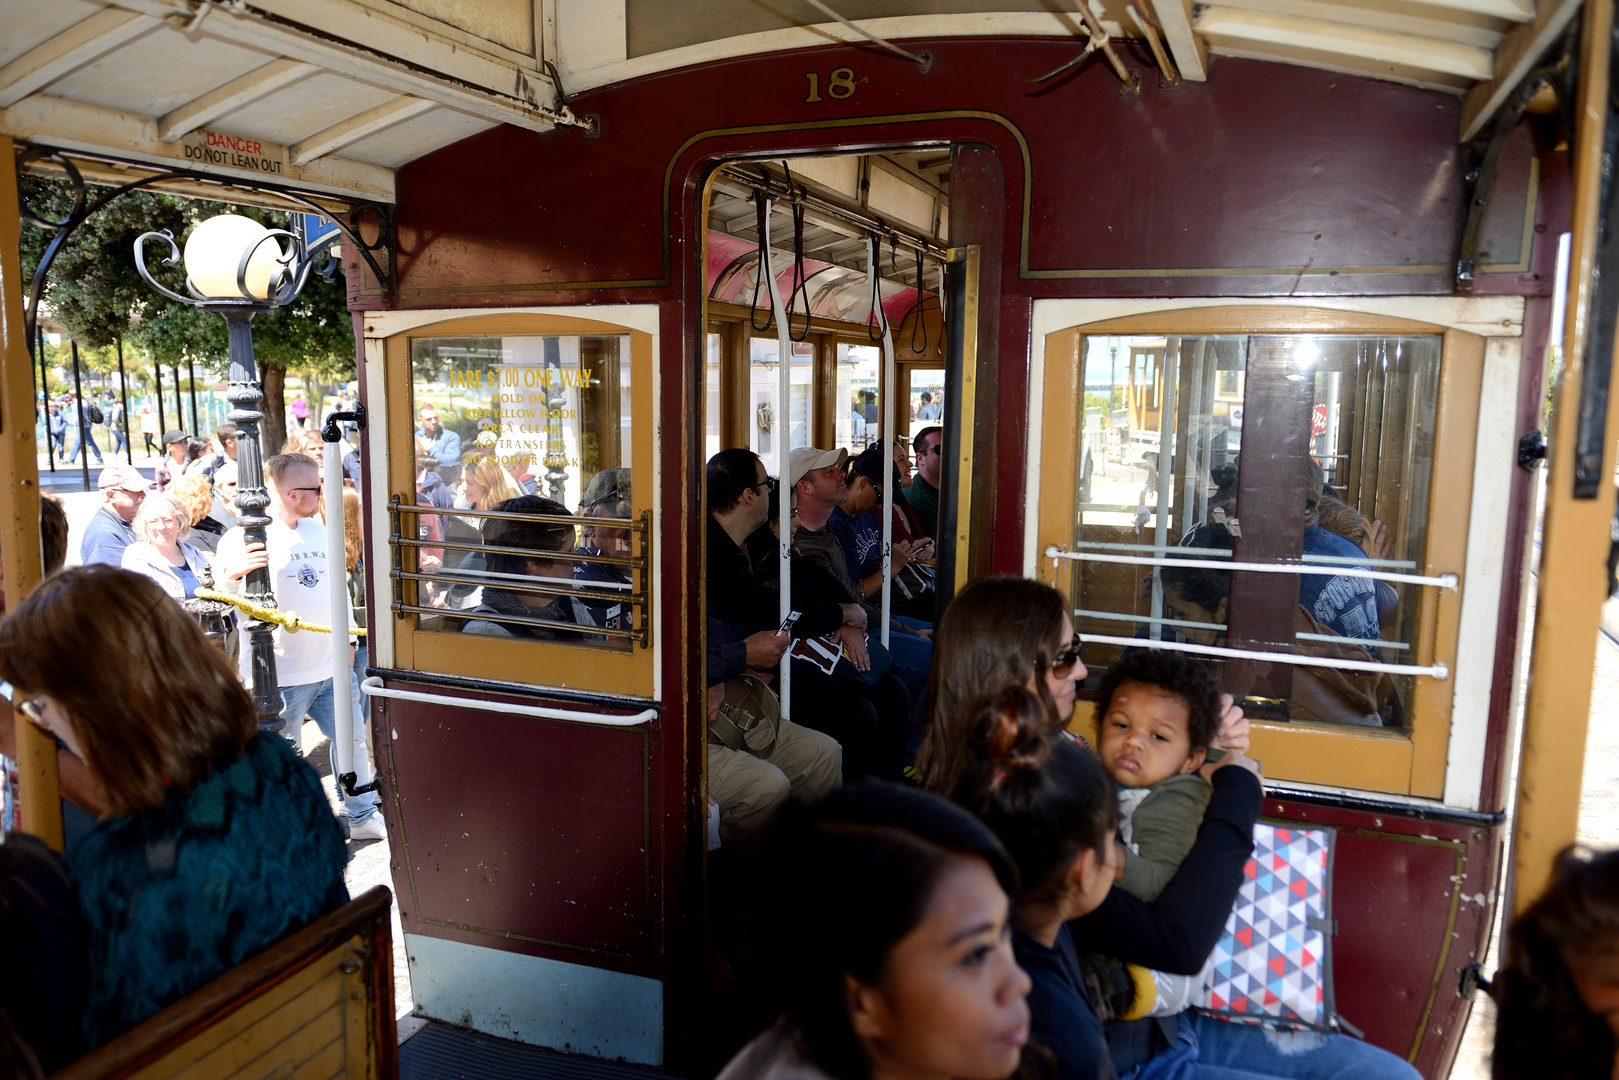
pixel 554 663
pixel 263 1024
pixel 284 1045
pixel 1368 759
pixel 1062 423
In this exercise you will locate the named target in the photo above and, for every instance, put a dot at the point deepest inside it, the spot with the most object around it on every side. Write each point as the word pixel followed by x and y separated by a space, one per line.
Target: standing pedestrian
pixel 114 413
pixel 300 410
pixel 79 419
pixel 162 554
pixel 295 553
pixel 56 424
pixel 149 426
pixel 109 532
pixel 173 465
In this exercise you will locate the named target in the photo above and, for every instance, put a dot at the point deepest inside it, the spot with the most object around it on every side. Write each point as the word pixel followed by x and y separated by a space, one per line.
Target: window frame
pixel 589 667
pixel 1406 762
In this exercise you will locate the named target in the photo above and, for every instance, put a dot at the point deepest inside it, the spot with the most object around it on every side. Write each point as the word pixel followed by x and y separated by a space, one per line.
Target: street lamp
pixel 236 268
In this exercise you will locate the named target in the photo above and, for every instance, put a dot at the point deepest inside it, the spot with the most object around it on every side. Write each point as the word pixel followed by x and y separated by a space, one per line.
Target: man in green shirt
pixel 924 490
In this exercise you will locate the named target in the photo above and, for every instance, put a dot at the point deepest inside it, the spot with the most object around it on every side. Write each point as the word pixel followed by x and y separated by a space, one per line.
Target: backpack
pixel 95 414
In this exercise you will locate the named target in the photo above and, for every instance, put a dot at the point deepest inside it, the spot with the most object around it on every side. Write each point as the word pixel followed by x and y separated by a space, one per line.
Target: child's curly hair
pixel 1174 674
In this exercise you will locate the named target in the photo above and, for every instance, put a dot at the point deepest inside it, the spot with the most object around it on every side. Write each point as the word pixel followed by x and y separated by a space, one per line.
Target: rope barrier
pixel 287 620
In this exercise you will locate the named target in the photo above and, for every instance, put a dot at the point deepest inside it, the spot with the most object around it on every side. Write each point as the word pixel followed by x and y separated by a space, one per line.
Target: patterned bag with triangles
pixel 1273 964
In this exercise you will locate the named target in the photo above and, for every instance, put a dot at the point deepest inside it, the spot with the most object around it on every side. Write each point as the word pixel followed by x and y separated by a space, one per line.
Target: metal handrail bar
pixel 637 562
pixel 529 587
pixel 1225 553
pixel 513 515
pixel 1437 671
pixel 1443 581
pixel 372 687
pixel 470 615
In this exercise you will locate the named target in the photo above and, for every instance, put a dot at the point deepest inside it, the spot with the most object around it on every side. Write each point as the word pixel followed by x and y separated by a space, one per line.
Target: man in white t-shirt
pixel 298 564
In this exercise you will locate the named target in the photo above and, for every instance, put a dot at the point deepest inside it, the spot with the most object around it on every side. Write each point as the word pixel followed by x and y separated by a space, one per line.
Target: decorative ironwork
pixel 405 568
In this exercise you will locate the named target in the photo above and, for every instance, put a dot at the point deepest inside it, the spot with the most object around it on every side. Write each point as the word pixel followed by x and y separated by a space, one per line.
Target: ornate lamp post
pixel 237 269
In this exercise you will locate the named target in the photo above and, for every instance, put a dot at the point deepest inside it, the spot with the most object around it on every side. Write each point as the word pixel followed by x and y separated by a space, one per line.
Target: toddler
pixel 1159 713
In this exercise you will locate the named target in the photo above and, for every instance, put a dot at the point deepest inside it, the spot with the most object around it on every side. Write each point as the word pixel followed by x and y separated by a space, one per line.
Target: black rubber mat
pixel 440 1052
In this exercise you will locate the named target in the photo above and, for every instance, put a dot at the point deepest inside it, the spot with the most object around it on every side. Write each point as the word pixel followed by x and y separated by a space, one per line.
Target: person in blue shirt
pixel 110 531
pixel 439 443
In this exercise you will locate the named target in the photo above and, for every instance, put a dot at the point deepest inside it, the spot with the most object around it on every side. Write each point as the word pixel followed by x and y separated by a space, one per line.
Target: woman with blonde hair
pixel 217 840
pixel 484 483
pixel 162 554
pixel 195 494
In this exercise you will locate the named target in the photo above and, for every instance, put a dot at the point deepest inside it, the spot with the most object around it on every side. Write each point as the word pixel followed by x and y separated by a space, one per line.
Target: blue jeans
pixel 90 440
pixel 117 440
pixel 913 657
pixel 1296 1055
pixel 1186 1061
pixel 314 700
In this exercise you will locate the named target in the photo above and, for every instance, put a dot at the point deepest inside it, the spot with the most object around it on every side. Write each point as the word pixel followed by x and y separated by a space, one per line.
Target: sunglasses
pixel 1063 664
pixel 31 708
pixel 316 490
pixel 939 449
pixel 769 485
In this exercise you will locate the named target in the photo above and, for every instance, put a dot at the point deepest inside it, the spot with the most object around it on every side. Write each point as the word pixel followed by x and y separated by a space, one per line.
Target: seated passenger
pixel 885 950
pixel 816 478
pixel 607 496
pixel 218 839
pixel 857 522
pixel 1345 605
pixel 484 485
pixel 1347 697
pixel 862 708
pixel 789 761
pixel 550 564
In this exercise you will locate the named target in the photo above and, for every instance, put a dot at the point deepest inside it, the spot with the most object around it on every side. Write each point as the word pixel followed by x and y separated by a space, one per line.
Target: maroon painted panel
pixel 1264 167
pixel 519 827
pixel 1413 902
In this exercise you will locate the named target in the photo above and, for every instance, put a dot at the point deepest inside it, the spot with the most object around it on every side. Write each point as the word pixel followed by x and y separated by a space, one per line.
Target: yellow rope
pixel 284 619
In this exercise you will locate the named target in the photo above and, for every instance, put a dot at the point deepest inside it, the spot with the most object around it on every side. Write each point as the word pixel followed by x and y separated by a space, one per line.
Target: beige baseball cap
pixel 808 458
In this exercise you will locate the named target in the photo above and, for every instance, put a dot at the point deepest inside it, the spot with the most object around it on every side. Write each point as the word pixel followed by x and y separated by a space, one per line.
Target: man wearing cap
pixel 173 465
pixel 924 490
pixel 818 481
pixel 110 532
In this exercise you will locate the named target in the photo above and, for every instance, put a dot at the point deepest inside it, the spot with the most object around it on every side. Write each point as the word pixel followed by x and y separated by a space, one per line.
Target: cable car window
pixel 523 442
pixel 859 418
pixel 1259 449
pixel 770 426
pixel 927 399
pixel 712 437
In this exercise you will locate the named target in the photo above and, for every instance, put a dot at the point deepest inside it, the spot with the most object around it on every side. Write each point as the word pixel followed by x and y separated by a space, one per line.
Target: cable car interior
pixel 1230 321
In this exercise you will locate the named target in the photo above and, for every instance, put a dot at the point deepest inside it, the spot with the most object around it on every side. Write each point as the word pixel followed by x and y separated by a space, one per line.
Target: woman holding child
pixel 1005 634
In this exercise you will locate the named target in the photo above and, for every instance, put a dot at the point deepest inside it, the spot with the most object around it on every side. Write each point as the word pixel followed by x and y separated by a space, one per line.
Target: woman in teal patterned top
pixel 217 840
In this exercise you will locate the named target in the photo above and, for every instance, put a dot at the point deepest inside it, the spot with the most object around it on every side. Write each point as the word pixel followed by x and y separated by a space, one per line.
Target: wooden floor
pixel 440 1052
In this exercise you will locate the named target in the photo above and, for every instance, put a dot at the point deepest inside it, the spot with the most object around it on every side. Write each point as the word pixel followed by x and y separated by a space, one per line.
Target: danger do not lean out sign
pixel 235 152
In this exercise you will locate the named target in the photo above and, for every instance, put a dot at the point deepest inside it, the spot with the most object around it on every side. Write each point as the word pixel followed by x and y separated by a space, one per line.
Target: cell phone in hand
pixel 787 623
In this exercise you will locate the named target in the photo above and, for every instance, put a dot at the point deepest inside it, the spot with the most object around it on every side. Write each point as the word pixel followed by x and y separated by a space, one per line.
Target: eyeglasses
pixel 1063 664
pixel 32 708
pixel 937 448
pixel 769 485
pixel 316 490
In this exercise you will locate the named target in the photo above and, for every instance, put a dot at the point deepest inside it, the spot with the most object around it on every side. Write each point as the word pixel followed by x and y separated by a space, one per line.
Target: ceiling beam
pixel 356 128
pixel 259 83
pixel 1515 58
pixel 82 43
pixel 1175 19
pixel 1256 31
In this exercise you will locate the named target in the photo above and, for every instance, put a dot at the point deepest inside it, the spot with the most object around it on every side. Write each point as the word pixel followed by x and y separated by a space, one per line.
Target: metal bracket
pixel 1472 980
pixel 350 788
pixel 332 432
pixel 1531 450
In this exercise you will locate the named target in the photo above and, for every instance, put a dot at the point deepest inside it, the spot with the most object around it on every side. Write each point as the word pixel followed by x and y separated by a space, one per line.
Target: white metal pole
pixel 784 453
pixel 888 430
pixel 1167 387
pixel 338 591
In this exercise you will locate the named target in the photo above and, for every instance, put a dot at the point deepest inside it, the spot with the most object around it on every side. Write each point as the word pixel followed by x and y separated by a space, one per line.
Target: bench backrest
pixel 318 1003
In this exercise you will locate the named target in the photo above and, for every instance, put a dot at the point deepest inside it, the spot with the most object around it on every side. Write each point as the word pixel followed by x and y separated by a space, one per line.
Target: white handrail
pixel 1443 581
pixel 372 687
pixel 1436 671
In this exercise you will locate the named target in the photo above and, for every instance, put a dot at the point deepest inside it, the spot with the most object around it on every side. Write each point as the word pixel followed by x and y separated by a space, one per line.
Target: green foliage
pixel 1096 401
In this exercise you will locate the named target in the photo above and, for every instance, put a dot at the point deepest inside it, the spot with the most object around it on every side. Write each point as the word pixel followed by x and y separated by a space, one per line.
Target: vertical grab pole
pixel 784 453
pixel 888 428
pixel 1168 385
pixel 338 589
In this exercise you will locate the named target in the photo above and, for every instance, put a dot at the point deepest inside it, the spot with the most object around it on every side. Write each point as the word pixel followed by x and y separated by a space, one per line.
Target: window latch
pixel 1531 450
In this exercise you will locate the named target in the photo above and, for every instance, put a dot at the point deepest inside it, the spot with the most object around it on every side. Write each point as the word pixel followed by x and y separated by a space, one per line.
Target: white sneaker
pixel 371 828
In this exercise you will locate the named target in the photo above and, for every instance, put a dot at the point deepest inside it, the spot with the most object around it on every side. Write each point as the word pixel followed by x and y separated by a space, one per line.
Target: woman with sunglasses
pixel 1011 631
pixel 216 840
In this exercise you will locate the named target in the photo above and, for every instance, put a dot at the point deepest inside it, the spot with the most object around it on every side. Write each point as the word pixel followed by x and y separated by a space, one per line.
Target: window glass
pixel 768 429
pixel 1262 449
pixel 524 442
pixel 711 397
pixel 927 400
pixel 859 418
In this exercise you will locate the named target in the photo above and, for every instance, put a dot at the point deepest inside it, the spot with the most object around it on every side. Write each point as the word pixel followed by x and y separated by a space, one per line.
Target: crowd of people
pixel 947 881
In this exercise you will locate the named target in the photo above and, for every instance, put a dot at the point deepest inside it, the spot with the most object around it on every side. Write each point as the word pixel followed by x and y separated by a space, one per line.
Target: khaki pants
pixel 804 765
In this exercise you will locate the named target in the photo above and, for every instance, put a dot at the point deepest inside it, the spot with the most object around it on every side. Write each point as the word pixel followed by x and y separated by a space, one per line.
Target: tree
pixel 94 289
